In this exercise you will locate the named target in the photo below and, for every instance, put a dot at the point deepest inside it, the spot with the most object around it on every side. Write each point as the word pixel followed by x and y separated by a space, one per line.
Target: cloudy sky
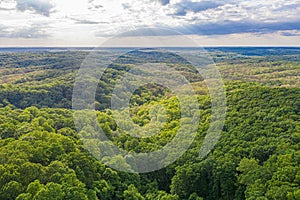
pixel 206 22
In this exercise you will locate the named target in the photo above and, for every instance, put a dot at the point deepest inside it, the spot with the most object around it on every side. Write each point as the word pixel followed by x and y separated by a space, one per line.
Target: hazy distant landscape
pixel 42 155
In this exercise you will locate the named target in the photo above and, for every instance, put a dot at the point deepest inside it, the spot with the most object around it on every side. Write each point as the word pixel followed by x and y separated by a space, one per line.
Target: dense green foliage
pixel 42 155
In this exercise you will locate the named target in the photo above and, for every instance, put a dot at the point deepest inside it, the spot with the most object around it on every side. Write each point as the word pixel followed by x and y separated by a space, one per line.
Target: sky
pixel 149 22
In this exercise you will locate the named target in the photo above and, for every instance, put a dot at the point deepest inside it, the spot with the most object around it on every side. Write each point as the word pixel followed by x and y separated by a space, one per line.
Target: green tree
pixel 132 193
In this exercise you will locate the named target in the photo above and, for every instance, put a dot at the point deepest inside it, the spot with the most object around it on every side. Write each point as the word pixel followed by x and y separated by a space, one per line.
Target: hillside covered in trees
pixel 42 155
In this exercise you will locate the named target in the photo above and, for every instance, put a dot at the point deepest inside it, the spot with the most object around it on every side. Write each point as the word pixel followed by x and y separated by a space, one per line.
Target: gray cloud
pixel 222 28
pixel 34 31
pixel 141 31
pixel 164 2
pixel 231 27
pixel 85 21
pixel 126 5
pixel 98 6
pixel 42 7
pixel 287 7
pixel 290 34
pixel 161 31
pixel 6 9
pixel 183 7
pixel 93 5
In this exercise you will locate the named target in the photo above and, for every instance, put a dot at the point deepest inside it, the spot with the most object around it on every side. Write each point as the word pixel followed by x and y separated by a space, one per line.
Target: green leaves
pixel 132 194
pixel 42 156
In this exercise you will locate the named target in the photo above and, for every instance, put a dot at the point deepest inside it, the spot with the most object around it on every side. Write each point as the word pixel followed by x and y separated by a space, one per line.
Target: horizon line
pixel 204 46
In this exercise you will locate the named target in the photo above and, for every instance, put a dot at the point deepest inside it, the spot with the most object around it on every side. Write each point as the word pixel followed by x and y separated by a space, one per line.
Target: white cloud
pixel 33 31
pixel 90 19
pixel 42 7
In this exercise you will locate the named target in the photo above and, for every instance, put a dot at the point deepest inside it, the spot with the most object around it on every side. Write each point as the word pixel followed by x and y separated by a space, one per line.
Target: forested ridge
pixel 258 156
